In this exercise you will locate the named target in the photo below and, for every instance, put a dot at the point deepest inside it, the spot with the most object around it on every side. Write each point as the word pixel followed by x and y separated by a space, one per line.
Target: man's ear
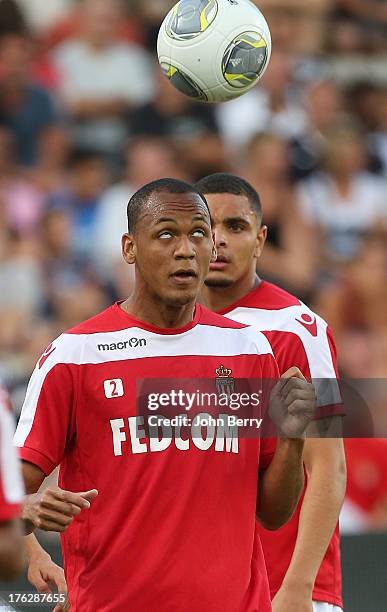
pixel 128 248
pixel 261 239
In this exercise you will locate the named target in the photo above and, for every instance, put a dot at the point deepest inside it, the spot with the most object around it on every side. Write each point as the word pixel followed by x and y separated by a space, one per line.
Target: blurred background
pixel 86 118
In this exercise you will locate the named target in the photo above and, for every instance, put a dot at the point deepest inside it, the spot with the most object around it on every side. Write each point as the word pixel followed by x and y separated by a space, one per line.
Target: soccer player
pixel 11 497
pixel 173 525
pixel 303 557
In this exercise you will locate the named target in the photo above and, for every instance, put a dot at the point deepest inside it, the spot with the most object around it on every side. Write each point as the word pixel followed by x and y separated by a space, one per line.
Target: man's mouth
pixel 184 277
pixel 220 263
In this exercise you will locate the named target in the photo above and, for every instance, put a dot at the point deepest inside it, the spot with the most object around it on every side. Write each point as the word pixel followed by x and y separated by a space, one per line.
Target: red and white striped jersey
pixel 173 526
pixel 11 486
pixel 299 338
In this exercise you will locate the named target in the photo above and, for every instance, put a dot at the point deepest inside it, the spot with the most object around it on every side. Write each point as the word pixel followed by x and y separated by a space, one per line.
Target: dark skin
pixel 239 240
pixel 11 549
pixel 172 247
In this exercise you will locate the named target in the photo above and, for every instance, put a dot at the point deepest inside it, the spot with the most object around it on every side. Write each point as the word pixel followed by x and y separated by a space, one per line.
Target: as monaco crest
pixel 224 384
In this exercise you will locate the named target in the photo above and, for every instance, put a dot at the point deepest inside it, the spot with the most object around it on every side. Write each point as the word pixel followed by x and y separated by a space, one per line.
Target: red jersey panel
pixel 366 472
pixel 299 338
pixel 11 487
pixel 173 526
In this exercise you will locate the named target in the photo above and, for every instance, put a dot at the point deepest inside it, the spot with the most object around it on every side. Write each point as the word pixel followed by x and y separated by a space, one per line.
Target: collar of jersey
pixel 243 300
pixel 168 331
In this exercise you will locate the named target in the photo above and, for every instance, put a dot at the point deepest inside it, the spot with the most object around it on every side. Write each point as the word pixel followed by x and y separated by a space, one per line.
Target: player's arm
pixel 12 553
pixel 325 465
pixel 280 485
pixel 324 461
pixel 12 558
pixel 53 509
pixel 45 426
pixel 292 407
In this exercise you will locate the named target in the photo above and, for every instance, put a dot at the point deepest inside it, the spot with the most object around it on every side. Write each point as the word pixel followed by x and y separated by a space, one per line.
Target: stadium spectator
pixel 267 168
pixel 344 200
pixel 324 107
pixel 296 25
pixel 151 14
pixel 51 171
pixel 41 15
pixel 25 107
pixel 192 127
pixel 364 101
pixel 88 178
pixel 21 295
pixel 378 137
pixel 101 78
pixel 21 201
pixel 20 275
pixel 355 307
pixel 147 159
pixel 274 106
pixel 62 268
pixel 360 25
pixel 68 26
pixel 12 18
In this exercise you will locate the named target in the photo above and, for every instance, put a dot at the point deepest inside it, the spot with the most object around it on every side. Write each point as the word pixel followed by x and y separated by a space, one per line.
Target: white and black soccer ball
pixel 214 50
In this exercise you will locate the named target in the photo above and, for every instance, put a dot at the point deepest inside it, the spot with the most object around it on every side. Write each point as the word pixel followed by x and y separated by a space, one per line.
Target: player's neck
pixel 219 298
pixel 158 314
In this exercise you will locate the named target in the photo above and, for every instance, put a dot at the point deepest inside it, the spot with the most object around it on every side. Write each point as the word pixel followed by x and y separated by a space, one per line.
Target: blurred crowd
pixel 86 118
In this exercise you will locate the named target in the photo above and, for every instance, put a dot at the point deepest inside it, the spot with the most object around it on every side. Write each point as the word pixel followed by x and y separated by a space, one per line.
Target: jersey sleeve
pixel 270 374
pixel 11 484
pixel 329 399
pixel 315 355
pixel 47 422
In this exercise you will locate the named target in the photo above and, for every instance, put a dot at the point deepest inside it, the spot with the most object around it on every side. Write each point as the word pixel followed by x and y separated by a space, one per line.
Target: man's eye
pixel 198 233
pixel 236 228
pixel 165 235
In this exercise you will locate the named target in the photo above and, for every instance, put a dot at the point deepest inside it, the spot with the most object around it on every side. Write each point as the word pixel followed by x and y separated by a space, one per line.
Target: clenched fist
pixel 292 404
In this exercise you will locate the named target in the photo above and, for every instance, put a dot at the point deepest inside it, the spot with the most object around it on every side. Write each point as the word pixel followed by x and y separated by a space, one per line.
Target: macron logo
pixel 309 323
pixel 50 349
pixel 119 346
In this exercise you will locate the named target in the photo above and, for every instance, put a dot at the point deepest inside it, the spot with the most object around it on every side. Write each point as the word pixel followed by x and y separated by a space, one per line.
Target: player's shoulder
pixel 213 319
pixel 68 348
pixel 268 296
pixel 245 333
pixel 289 305
pixel 280 310
pixel 109 320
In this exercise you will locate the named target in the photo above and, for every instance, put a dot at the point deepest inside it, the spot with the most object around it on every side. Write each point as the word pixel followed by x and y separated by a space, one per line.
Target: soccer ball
pixel 214 50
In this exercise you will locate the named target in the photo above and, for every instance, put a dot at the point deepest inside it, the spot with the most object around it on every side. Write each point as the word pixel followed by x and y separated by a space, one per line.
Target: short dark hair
pixel 166 185
pixel 223 182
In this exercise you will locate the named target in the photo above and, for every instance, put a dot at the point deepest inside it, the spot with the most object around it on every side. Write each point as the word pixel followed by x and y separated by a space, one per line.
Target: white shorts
pixel 321 606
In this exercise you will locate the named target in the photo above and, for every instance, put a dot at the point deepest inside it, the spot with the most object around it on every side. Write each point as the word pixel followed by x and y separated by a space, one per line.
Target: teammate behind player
pixel 303 558
pixel 11 497
pixel 173 526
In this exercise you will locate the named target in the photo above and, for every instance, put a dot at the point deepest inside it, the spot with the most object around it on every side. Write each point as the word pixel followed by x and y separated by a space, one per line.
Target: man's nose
pixel 184 249
pixel 220 238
